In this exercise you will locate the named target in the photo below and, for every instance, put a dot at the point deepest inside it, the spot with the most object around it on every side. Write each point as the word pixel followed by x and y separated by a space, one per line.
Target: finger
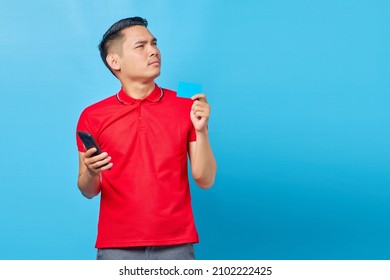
pixel 200 105
pixel 90 152
pixel 102 165
pixel 200 108
pixel 91 160
pixel 106 167
pixel 199 96
pixel 100 162
pixel 99 157
pixel 201 114
pixel 99 166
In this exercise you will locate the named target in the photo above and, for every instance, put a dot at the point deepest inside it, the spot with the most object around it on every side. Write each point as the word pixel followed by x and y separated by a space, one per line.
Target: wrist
pixel 90 175
pixel 202 132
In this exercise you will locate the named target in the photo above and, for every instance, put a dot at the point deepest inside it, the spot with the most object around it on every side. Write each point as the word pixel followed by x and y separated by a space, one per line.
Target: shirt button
pixel 140 118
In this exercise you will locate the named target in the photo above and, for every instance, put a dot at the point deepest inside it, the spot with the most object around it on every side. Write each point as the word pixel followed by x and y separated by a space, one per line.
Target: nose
pixel 153 50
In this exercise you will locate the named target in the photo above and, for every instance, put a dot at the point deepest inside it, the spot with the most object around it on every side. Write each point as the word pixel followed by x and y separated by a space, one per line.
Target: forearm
pixel 88 184
pixel 90 168
pixel 204 166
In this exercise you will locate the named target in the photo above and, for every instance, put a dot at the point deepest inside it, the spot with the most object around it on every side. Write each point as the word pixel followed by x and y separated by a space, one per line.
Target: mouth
pixel 154 62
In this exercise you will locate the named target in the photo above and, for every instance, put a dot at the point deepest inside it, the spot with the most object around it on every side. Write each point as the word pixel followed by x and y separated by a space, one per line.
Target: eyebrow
pixel 154 40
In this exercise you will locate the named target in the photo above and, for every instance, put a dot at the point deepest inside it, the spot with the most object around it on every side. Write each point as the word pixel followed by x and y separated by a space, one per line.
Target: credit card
pixel 188 90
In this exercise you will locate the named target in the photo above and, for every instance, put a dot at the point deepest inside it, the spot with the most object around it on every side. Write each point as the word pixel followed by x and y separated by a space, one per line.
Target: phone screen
pixel 89 142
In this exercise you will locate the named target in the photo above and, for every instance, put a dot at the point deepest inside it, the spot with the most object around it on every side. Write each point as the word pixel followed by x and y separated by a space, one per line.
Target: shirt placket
pixel 141 117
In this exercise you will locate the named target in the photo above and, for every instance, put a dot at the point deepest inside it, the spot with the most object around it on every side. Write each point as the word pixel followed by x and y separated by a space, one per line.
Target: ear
pixel 113 61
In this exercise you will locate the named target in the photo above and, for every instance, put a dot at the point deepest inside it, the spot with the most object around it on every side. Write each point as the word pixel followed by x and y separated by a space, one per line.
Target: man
pixel 145 133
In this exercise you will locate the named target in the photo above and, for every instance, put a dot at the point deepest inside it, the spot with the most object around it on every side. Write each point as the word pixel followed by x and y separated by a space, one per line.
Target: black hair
pixel 114 33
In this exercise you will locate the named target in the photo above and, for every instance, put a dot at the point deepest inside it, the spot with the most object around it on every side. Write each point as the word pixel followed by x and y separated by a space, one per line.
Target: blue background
pixel 300 122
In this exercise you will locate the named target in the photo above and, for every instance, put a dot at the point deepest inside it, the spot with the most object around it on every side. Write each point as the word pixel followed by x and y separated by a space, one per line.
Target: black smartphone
pixel 89 142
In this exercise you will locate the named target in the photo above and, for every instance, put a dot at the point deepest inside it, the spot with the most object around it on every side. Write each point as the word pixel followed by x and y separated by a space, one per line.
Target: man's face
pixel 139 57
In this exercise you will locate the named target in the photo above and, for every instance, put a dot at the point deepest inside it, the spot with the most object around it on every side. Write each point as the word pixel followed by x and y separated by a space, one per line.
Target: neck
pixel 138 90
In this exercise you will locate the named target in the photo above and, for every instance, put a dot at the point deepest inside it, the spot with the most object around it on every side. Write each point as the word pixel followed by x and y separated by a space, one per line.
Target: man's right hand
pixel 90 168
pixel 96 164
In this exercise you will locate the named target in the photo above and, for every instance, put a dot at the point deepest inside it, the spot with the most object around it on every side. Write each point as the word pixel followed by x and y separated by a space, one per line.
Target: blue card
pixel 188 90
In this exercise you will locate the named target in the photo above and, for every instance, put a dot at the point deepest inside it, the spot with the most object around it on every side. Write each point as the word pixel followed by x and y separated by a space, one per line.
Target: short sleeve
pixel 192 134
pixel 82 125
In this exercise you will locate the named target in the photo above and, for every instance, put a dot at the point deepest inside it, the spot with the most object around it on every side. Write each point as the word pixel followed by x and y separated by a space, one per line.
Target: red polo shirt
pixel 145 197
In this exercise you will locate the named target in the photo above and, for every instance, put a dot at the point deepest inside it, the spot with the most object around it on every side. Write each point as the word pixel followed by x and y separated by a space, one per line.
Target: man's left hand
pixel 200 112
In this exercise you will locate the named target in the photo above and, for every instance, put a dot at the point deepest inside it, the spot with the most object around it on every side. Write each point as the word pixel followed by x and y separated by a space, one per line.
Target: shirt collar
pixel 155 96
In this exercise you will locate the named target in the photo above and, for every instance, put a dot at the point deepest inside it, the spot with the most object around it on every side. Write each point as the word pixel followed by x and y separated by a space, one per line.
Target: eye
pixel 139 46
